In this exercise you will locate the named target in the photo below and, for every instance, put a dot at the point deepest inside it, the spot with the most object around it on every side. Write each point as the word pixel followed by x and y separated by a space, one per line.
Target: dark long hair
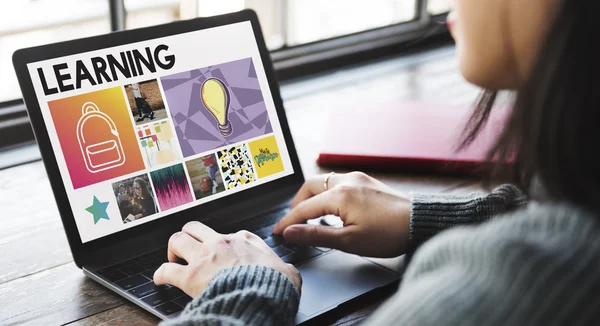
pixel 553 130
pixel 144 187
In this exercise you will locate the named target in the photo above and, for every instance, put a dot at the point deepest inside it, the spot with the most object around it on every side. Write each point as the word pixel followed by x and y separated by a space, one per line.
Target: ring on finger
pixel 326 181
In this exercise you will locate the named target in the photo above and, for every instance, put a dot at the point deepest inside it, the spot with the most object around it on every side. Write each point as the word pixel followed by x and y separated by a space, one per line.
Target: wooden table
pixel 39 283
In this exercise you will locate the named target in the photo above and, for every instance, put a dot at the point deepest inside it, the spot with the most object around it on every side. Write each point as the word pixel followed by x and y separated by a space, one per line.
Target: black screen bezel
pixel 40 53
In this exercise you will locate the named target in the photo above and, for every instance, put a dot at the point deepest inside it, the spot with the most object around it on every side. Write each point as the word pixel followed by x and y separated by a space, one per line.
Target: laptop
pixel 202 136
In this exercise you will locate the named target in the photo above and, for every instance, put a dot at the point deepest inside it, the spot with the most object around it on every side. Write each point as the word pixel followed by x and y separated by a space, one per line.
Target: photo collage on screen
pixel 222 125
pixel 170 141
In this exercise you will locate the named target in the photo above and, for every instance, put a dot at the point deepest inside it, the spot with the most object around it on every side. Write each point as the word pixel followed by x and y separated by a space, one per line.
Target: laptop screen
pixel 144 130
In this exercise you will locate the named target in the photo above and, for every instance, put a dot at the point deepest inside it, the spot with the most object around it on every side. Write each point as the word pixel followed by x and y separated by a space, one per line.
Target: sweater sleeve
pixel 536 266
pixel 243 295
pixel 433 213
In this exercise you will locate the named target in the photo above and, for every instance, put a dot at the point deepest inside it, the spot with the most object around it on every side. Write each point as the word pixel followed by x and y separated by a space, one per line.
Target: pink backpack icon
pixel 103 155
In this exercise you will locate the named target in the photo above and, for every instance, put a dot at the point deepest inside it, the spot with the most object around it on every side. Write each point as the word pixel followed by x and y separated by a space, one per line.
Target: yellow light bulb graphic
pixel 215 97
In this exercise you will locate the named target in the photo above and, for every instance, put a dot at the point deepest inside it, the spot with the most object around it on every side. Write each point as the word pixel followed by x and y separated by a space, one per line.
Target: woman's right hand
pixel 376 218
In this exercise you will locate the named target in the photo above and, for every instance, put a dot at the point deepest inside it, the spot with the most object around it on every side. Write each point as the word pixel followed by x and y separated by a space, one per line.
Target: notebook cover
pixel 405 136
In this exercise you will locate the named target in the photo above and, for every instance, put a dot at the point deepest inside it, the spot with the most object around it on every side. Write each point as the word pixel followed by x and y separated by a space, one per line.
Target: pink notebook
pixel 405 136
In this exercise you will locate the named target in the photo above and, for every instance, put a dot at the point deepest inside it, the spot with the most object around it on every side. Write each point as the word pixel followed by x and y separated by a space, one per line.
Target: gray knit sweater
pixel 537 265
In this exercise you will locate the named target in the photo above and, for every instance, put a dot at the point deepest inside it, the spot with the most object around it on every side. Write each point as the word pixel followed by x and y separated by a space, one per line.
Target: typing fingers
pixel 315 186
pixel 317 206
pixel 182 245
pixel 170 273
pixel 318 235
pixel 200 232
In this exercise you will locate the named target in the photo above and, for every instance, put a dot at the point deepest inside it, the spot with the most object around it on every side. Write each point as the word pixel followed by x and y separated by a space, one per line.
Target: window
pixel 35 22
pixel 288 23
pixel 285 23
pixel 436 7
pixel 143 13
pixel 315 20
pixel 300 33
pixel 308 32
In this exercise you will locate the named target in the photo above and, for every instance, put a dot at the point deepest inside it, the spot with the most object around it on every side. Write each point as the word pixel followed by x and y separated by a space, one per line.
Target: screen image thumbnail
pixel 216 106
pixel 171 187
pixel 236 165
pixel 158 143
pixel 96 136
pixel 205 176
pixel 266 156
pixel 145 101
pixel 134 198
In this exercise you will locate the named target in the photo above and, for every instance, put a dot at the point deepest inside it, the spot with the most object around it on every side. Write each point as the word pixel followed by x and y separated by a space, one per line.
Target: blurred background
pixel 304 36
pixel 285 23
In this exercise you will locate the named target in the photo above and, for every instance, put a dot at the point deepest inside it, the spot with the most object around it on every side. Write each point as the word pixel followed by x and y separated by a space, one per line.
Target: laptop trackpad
pixel 336 278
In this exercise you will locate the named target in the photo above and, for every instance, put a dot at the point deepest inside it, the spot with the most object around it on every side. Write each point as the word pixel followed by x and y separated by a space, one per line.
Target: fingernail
pixel 175 235
pixel 291 234
pixel 156 272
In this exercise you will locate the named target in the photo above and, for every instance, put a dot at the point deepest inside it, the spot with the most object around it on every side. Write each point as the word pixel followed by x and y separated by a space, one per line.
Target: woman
pixel 124 201
pixel 143 203
pixel 524 263
pixel 144 109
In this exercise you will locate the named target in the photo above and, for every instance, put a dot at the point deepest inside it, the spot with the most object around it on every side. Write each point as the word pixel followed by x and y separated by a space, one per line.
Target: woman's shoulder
pixel 533 229
pixel 558 219
pixel 534 223
pixel 536 266
pixel 539 237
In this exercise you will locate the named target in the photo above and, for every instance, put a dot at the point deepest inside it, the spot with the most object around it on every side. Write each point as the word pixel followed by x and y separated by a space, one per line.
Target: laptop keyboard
pixel 135 276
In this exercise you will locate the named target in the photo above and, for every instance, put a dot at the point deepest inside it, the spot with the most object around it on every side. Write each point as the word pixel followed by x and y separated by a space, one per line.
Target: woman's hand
pixel 376 218
pixel 208 252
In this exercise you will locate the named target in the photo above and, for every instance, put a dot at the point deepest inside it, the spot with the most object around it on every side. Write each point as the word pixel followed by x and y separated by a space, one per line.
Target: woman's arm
pixel 538 266
pixel 433 213
pixel 236 279
pixel 379 221
pixel 243 295
pixel 256 295
pixel 260 295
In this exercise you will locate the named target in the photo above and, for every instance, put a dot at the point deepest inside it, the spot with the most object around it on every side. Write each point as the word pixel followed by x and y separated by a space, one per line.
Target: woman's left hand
pixel 207 252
